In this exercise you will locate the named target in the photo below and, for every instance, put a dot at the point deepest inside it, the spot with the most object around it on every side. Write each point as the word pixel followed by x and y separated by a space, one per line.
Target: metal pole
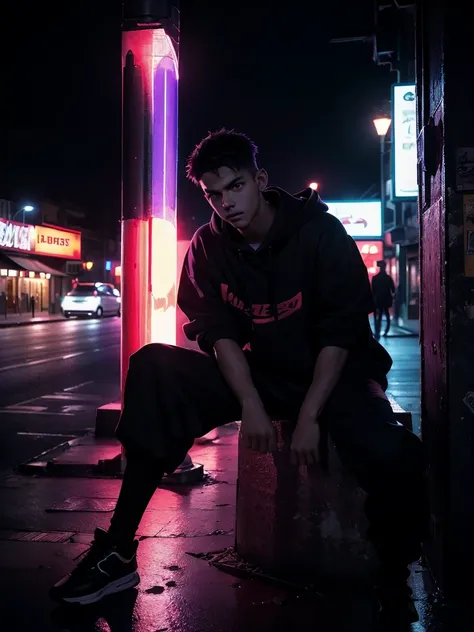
pixel 149 176
pixel 134 228
pixel 382 182
pixel 149 180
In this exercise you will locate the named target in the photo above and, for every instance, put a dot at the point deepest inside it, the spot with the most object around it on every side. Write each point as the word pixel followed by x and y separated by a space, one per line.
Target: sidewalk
pixel 17 320
pixel 46 522
pixel 396 331
pixel 399 331
pixel 412 325
pixel 404 382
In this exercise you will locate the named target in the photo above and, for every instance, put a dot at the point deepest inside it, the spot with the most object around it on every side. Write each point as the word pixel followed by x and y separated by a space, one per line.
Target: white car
pixel 92 299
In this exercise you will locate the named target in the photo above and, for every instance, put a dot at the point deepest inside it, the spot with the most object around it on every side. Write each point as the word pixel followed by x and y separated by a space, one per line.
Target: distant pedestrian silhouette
pixel 383 289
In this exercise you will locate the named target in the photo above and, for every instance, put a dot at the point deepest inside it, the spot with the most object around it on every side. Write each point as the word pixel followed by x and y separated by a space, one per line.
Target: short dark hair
pixel 224 148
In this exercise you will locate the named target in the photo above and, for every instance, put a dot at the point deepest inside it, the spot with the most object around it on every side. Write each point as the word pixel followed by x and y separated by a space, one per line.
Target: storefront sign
pixel 404 141
pixel 371 252
pixel 362 220
pixel 15 236
pixel 55 242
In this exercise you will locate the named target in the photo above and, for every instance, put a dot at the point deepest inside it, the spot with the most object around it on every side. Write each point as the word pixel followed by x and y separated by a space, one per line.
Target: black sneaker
pixel 104 570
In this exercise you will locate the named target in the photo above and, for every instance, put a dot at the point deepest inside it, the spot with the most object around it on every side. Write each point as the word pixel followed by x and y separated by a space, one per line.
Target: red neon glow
pixel 181 319
pixel 163 278
pixel 149 242
pixel 149 264
pixel 134 282
pixel 371 251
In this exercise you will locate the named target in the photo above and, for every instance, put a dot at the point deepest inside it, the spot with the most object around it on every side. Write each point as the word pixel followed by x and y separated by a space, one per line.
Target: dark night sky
pixel 273 74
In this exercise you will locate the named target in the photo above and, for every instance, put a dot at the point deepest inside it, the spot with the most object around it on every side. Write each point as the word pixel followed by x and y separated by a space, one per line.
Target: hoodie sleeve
pixel 209 318
pixel 343 293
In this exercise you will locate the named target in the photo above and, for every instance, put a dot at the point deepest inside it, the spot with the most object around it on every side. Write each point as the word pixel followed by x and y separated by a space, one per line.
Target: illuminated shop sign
pixel 55 242
pixel 361 219
pixel 404 156
pixel 15 236
pixel 371 252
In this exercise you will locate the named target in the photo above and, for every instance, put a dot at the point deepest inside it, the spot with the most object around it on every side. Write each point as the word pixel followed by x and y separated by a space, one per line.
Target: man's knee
pixel 154 355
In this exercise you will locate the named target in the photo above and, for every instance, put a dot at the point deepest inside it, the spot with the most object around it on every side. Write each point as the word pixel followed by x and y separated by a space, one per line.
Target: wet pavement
pixel 47 522
pixel 404 378
pixel 15 320
pixel 53 376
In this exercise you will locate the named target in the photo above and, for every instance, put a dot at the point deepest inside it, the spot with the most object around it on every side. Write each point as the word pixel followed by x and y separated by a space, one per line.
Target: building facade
pixel 33 275
pixel 43 253
pixel 394 47
pixel 390 34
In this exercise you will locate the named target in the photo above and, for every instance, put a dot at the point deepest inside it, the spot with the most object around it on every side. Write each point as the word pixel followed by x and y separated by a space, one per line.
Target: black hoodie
pixel 305 288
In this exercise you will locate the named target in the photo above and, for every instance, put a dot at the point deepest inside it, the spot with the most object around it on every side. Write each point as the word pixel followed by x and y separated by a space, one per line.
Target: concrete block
pixel 107 418
pixel 302 522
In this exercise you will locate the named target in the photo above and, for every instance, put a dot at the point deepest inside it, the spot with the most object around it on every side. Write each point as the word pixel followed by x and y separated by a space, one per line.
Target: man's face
pixel 235 195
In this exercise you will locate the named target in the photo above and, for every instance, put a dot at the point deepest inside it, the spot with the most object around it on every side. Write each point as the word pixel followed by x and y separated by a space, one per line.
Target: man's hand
pixel 257 428
pixel 305 442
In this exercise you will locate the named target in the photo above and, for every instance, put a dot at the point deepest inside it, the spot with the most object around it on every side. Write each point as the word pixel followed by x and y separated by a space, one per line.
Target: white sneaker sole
pixel 124 583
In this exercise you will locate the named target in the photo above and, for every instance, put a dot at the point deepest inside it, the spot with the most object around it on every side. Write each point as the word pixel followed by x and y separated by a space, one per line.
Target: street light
pixel 382 125
pixel 314 186
pixel 26 209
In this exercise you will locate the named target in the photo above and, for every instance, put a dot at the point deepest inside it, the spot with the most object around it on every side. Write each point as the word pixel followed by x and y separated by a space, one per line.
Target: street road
pixel 52 378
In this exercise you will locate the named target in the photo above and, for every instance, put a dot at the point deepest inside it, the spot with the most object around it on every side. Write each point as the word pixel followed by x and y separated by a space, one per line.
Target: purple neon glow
pixel 165 129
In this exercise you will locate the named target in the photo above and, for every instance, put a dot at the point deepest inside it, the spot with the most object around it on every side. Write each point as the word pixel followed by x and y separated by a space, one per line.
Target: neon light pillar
pixel 149 173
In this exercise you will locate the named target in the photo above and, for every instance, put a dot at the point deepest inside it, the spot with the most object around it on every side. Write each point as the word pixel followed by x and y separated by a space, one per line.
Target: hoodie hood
pixel 292 213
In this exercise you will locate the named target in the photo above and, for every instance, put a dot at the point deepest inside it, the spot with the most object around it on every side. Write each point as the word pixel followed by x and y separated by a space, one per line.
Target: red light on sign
pixel 370 251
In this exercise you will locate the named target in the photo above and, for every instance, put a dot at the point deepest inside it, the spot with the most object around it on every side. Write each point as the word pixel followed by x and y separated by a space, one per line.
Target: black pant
pixel 379 313
pixel 175 395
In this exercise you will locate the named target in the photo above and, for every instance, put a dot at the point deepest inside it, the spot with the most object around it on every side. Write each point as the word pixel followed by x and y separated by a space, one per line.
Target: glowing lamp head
pixel 28 208
pixel 382 125
pixel 314 186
